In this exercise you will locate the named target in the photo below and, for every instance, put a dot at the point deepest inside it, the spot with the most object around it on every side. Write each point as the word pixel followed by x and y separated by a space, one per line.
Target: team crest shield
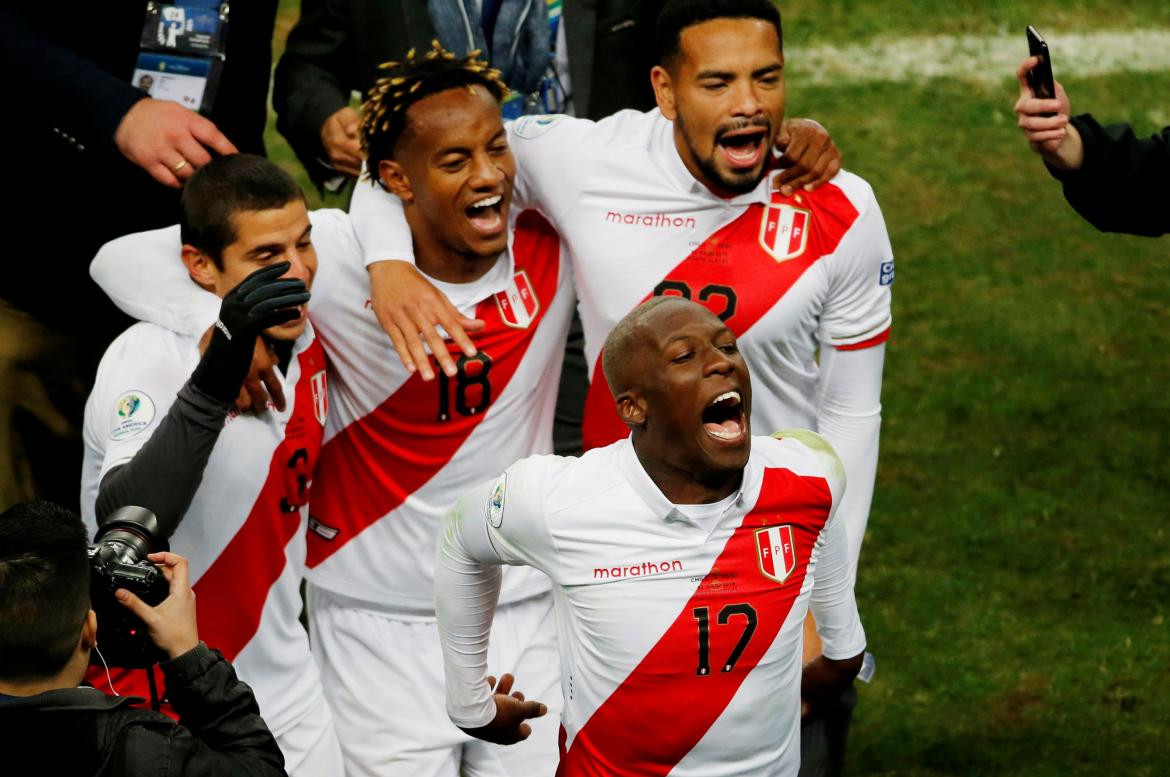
pixel 518 303
pixel 777 552
pixel 320 396
pixel 784 230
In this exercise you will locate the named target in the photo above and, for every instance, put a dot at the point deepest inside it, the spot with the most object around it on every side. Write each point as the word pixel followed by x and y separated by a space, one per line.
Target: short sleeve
pixel 509 523
pixel 856 313
pixel 137 381
pixel 554 156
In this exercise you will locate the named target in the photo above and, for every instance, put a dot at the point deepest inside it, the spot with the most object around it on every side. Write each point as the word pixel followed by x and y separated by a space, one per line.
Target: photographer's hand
pixel 172 623
pixel 260 301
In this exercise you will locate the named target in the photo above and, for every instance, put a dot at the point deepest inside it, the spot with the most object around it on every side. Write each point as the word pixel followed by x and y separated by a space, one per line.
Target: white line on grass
pixel 986 59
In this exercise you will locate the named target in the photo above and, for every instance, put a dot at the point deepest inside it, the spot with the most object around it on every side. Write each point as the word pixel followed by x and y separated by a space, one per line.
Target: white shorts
pixel 384 681
pixel 310 747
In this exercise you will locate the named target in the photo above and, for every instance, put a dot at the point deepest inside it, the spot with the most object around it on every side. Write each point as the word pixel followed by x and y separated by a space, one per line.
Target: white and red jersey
pixel 793 277
pixel 679 625
pixel 789 275
pixel 400 451
pixel 244 533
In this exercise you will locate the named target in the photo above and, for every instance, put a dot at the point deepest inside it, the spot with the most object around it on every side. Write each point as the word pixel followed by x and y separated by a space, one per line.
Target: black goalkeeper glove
pixel 260 301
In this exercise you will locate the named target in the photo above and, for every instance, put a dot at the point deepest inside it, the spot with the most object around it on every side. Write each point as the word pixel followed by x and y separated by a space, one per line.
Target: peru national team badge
pixel 784 230
pixel 518 303
pixel 320 396
pixel 777 551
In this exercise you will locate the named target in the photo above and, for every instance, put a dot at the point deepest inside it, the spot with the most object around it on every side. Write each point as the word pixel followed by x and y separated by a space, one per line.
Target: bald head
pixel 622 360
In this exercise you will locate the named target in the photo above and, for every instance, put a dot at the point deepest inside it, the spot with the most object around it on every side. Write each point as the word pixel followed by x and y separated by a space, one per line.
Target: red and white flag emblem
pixel 777 552
pixel 784 230
pixel 320 396
pixel 518 303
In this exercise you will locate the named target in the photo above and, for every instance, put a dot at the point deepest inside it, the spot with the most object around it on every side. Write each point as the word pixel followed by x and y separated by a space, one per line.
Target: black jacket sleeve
pixel 165 473
pixel 1124 183
pixel 313 80
pixel 73 93
pixel 220 730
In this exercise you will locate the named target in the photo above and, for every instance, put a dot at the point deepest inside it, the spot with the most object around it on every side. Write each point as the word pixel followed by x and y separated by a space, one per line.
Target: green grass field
pixel 1015 581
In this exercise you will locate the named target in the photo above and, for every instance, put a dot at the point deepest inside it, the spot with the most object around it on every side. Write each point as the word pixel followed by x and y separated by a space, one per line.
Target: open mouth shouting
pixel 487 215
pixel 723 418
pixel 743 149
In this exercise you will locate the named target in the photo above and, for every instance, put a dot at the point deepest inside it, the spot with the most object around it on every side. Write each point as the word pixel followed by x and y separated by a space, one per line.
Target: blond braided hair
pixel 405 83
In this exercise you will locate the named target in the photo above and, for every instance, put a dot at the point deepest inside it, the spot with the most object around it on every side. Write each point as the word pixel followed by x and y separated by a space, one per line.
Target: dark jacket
pixel 335 49
pixel 1124 183
pixel 82 732
pixel 66 68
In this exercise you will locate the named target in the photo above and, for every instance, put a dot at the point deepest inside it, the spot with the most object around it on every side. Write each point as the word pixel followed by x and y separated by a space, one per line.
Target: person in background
pixel 1117 181
pixel 68 71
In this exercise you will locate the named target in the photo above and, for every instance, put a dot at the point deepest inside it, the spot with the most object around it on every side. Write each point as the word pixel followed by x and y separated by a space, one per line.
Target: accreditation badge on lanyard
pixel 181 55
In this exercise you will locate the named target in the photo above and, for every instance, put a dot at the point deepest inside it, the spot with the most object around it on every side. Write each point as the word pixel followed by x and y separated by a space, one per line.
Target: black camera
pixel 117 559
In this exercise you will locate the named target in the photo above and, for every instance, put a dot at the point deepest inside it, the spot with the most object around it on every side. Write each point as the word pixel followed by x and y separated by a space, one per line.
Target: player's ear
pixel 631 408
pixel 394 178
pixel 89 631
pixel 663 91
pixel 200 267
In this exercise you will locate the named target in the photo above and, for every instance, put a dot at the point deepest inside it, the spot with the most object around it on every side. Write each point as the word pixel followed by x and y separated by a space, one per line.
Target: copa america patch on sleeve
pixel 534 126
pixel 495 503
pixel 133 412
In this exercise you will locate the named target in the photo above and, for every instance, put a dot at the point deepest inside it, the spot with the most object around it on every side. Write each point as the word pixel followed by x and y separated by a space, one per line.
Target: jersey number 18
pixel 473 390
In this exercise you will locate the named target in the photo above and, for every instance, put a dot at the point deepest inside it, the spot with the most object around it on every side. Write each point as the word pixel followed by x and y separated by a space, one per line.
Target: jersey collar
pixel 648 491
pixel 467 296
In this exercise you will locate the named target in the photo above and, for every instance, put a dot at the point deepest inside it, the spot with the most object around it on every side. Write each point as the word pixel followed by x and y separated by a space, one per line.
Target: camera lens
pixel 128 536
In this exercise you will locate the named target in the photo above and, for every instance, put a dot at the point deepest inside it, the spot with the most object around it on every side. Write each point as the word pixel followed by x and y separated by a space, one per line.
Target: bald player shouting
pixel 683 559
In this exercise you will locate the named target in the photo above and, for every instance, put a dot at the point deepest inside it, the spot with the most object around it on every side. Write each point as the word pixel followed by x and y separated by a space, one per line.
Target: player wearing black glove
pixel 260 301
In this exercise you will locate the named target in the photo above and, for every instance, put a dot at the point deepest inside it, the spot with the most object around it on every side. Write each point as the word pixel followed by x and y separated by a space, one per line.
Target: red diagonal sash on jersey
pixel 237 583
pixel 664 706
pixel 375 463
pixel 233 590
pixel 732 273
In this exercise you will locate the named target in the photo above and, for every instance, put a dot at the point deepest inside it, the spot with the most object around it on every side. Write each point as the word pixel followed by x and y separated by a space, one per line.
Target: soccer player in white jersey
pixel 229 490
pixel 399 450
pixel 683 560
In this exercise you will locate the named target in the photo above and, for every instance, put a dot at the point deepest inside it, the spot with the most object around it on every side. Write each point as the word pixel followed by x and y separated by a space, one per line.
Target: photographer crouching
pixel 48 629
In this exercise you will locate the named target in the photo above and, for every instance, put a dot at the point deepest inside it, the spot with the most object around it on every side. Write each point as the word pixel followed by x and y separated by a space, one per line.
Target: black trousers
pixel 822 739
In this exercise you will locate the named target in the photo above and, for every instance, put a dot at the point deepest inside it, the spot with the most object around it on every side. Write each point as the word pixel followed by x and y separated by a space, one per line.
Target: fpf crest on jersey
pixel 777 552
pixel 784 230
